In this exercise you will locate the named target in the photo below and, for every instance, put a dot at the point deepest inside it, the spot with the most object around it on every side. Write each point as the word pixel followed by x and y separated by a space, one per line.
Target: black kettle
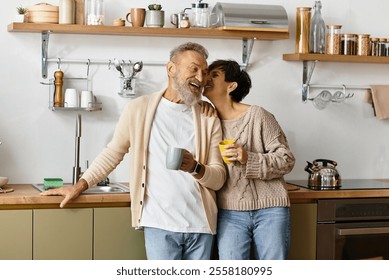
pixel 323 174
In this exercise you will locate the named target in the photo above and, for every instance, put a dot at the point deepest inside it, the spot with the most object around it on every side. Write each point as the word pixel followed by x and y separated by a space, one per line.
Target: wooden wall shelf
pixel 248 36
pixel 262 34
pixel 335 58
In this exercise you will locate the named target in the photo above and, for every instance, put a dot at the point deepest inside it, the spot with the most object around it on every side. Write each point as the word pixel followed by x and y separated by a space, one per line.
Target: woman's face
pixel 216 86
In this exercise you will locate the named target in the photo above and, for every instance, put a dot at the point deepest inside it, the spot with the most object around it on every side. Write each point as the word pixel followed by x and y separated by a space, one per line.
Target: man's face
pixel 190 76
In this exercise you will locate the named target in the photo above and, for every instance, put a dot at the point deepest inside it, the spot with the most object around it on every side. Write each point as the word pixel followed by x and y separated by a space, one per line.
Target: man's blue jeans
pixel 267 229
pixel 167 245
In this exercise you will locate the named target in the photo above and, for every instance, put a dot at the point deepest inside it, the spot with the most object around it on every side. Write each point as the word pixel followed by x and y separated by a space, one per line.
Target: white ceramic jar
pixel 66 12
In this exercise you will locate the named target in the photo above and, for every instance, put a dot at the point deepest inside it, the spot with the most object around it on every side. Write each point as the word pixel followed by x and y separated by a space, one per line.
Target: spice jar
pixel 303 22
pixel 363 44
pixel 381 46
pixel 349 44
pixel 184 22
pixel 333 39
pixel 387 47
pixel 373 46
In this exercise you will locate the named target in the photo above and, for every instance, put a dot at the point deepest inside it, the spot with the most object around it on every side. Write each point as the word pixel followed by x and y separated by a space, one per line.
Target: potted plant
pixel 21 14
pixel 155 17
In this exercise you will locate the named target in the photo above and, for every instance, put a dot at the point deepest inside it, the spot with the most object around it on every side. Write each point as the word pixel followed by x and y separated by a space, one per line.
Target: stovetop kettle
pixel 323 174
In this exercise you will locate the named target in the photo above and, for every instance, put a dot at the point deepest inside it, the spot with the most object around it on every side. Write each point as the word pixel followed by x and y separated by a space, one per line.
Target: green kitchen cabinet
pixel 16 232
pixel 114 237
pixel 63 234
pixel 303 218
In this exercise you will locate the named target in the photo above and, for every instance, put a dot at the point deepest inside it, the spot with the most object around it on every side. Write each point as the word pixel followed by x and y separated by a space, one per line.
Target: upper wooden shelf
pixel 263 33
pixel 335 58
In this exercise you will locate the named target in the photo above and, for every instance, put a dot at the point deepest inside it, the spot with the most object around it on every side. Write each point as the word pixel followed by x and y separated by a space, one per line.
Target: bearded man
pixel 176 209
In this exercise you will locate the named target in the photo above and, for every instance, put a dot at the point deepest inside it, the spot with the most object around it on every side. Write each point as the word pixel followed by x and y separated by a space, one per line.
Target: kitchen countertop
pixel 25 196
pixel 304 195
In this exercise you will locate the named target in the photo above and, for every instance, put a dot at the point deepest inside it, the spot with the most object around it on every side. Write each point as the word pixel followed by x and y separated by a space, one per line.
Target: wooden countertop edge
pixel 25 196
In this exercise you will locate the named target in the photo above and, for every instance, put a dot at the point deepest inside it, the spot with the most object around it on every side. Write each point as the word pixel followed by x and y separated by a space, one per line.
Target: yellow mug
pixel 222 148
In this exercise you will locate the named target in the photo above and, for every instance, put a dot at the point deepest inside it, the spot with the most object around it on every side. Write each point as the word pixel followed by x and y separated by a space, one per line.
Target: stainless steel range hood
pixel 234 16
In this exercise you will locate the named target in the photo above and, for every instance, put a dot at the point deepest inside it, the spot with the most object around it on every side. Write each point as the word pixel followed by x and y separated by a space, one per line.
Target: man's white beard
pixel 184 92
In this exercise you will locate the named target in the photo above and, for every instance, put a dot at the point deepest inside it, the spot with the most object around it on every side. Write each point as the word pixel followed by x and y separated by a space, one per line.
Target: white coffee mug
pixel 174 157
pixel 71 98
pixel 86 99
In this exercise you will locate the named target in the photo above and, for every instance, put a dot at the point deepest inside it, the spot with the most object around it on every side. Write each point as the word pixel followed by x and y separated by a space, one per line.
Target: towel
pixel 378 96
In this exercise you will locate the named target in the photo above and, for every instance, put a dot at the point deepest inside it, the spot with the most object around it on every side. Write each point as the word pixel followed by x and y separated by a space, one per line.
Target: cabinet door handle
pixel 356 231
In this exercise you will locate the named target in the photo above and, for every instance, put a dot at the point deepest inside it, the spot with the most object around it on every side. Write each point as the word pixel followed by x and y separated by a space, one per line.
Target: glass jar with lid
pixel 303 21
pixel 349 44
pixel 333 39
pixel 387 47
pixel 373 46
pixel 94 12
pixel 381 46
pixel 363 44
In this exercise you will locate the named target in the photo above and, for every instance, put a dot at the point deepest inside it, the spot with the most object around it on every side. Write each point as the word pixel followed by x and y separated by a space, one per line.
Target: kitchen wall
pixel 38 142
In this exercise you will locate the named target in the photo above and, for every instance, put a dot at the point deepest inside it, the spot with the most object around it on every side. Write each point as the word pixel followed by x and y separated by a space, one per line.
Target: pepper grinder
pixel 58 95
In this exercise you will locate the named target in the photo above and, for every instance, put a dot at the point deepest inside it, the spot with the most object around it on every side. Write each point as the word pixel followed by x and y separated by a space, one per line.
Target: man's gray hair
pixel 189 46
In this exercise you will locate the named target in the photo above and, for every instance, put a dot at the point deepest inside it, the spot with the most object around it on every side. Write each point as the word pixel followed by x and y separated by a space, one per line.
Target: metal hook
pixel 87 69
pixel 344 89
pixel 59 63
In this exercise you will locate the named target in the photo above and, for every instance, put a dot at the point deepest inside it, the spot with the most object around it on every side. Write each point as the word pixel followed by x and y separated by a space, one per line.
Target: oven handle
pixel 356 231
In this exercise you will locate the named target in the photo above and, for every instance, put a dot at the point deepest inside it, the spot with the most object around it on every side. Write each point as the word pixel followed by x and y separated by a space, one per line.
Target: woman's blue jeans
pixel 267 229
pixel 167 245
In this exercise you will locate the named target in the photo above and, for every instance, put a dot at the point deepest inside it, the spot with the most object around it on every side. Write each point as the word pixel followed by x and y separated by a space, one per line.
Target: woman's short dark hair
pixel 233 73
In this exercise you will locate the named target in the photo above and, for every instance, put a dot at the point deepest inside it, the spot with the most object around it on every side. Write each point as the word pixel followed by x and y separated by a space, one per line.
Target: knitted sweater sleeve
pixel 274 158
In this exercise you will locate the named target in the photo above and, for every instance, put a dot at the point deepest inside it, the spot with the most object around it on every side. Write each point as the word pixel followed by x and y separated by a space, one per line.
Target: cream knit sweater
pixel 259 183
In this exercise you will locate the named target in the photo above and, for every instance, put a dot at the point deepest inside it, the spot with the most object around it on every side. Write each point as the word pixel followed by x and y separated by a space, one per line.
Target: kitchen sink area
pixel 112 188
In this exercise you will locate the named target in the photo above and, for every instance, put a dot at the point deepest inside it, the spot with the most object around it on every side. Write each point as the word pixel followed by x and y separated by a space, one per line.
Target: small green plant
pixel 155 7
pixel 21 10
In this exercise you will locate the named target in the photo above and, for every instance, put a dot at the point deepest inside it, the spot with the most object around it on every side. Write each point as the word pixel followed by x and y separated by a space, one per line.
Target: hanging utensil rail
pixel 306 86
pixel 108 62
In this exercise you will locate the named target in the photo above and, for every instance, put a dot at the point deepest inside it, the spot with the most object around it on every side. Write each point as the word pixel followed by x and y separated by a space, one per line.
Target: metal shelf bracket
pixel 307 75
pixel 45 47
pixel 247 48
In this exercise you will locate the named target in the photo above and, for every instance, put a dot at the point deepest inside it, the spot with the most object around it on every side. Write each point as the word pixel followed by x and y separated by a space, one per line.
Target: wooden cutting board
pixel 292 188
pixel 80 11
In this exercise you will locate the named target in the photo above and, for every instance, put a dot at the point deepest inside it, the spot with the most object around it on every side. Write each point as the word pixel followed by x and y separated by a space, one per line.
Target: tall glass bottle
pixel 317 36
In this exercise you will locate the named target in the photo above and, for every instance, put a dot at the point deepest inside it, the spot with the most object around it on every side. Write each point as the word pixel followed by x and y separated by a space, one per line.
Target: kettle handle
pixel 325 162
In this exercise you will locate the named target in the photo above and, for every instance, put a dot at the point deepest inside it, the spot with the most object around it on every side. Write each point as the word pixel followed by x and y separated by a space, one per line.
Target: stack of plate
pixel 43 13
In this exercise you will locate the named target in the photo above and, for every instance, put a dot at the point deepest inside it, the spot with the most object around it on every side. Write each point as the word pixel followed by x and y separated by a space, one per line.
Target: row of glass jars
pixel 354 44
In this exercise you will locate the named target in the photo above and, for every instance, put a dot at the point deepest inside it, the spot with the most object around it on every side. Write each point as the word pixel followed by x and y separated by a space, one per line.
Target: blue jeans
pixel 167 245
pixel 267 229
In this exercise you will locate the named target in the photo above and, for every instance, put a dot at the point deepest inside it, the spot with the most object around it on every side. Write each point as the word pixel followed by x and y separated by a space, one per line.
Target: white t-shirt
pixel 172 200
